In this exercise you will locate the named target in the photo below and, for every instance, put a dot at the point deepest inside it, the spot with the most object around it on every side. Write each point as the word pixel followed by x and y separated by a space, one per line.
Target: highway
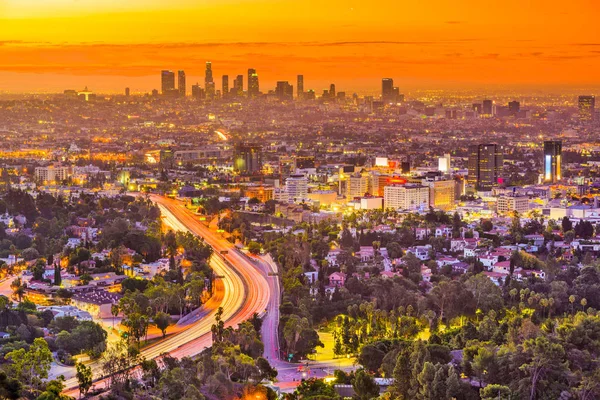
pixel 241 290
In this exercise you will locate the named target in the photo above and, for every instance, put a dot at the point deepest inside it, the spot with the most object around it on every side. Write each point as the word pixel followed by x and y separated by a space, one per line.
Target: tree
pixel 54 390
pixel 84 377
pixel 488 296
pixel 364 385
pixel 10 388
pixel 394 250
pixel 57 276
pixel 33 365
pixel 546 360
pixel 162 321
pixel 254 247
pixel 566 224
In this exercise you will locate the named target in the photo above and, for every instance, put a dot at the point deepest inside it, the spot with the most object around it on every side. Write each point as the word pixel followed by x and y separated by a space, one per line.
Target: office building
pixel 197 92
pixel 52 173
pixel 387 90
pixel 209 84
pixel 300 86
pixel 444 163
pixel 487 108
pixel 167 82
pixel 332 91
pixel 552 161
pixel 296 187
pixel 514 107
pixel 511 203
pixel 181 87
pixel 238 85
pixel 225 85
pixel 262 193
pixel 357 186
pixel 247 158
pixel 284 91
pixel 127 92
pixel 406 197
pixel 442 194
pixel 253 88
pixel 485 166
pixel 587 106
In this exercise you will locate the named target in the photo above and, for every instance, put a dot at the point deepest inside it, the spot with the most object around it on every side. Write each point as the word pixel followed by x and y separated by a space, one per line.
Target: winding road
pixel 241 289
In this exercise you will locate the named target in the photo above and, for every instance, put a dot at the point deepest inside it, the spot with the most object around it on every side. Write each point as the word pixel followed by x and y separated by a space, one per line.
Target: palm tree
pixel 18 288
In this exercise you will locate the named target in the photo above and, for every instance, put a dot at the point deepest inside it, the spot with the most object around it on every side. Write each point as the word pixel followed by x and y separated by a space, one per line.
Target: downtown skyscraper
pixel 167 81
pixel 253 88
pixel 181 87
pixel 209 83
pixel 485 166
pixel 552 161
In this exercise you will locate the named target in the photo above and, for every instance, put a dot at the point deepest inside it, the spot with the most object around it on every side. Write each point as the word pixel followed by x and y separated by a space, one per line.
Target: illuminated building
pixel 284 91
pixel 508 204
pixel 444 163
pixel 485 166
pixel 387 90
pixel 167 81
pixel 379 183
pixel 52 173
pixel 247 158
pixel 442 194
pixel 332 91
pixel 323 197
pixel 587 105
pixel 358 186
pixel 304 162
pixel 300 86
pixel 262 193
pixel 552 161
pixel 253 88
pixel 477 108
pixel 487 108
pixel 225 85
pixel 296 187
pixel 209 84
pixel 238 85
pixel 406 197
pixel 181 83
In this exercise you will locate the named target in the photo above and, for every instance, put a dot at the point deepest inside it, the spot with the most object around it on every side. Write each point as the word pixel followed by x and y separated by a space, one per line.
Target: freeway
pixel 241 290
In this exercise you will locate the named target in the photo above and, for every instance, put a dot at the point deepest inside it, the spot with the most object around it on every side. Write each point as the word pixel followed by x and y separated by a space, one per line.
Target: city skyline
pixel 57 44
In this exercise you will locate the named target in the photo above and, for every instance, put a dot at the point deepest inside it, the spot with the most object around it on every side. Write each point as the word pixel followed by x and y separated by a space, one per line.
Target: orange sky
pixel 50 45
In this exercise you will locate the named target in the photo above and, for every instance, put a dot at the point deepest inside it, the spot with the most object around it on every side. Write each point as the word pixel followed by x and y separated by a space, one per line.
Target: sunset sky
pixel 50 45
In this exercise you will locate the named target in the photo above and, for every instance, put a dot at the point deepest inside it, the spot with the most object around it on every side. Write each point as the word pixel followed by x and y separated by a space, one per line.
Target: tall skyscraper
pixel 485 166
pixel 167 81
pixel 247 158
pixel 127 92
pixel 587 106
pixel 284 91
pixel 253 88
pixel 238 85
pixel 487 108
pixel 181 83
pixel 552 161
pixel 300 86
pixel 209 84
pixel 332 90
pixel 387 90
pixel 225 85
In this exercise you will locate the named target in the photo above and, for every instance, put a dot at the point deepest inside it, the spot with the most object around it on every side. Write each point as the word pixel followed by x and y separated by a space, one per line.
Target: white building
pixel 406 197
pixel 52 173
pixel 358 185
pixel 444 163
pixel 510 204
pixel 297 188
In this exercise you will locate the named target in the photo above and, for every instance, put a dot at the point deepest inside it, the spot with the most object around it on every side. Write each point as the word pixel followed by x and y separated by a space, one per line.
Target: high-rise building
pixel 487 108
pixel 552 160
pixel 167 81
pixel 247 158
pixel 296 187
pixel 442 194
pixel 300 86
pixel 514 107
pixel 332 90
pixel 485 166
pixel 238 85
pixel 444 163
pixel 127 92
pixel 225 85
pixel 284 91
pixel 181 83
pixel 406 197
pixel 387 90
pixel 358 186
pixel 253 88
pixel 197 92
pixel 209 84
pixel 587 105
